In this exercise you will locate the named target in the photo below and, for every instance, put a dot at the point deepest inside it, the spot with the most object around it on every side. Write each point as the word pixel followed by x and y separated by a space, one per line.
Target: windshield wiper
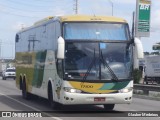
pixel 89 68
pixel 114 77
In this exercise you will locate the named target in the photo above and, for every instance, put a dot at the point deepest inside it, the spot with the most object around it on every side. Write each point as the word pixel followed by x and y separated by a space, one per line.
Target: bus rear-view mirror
pixel 61 47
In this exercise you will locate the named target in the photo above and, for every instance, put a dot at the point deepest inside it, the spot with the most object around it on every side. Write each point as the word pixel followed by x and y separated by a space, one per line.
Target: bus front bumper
pixel 96 99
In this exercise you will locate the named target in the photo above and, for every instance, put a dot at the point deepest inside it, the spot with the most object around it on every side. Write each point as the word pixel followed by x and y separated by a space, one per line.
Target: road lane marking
pixel 56 118
pixel 51 116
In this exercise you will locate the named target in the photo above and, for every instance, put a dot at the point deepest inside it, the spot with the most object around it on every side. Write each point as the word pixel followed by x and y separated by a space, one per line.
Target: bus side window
pixel 60 68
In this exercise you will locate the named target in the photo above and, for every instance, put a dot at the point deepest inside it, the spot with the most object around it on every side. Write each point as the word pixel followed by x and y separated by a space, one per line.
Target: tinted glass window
pixel 96 31
pixel 10 70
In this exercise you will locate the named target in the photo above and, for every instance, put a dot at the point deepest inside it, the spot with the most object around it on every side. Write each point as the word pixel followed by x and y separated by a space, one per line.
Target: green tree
pixel 137 75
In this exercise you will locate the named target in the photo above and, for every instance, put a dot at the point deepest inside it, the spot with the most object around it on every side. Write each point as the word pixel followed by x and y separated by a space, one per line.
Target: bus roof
pixel 78 18
pixel 91 18
pixel 87 18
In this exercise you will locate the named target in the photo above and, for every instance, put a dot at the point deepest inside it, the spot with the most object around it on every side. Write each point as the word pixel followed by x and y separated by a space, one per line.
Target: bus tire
pixel 20 83
pixel 109 107
pixel 25 94
pixel 54 105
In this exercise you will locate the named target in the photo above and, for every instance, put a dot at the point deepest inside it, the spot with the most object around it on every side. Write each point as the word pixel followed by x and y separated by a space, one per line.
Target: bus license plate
pixel 99 99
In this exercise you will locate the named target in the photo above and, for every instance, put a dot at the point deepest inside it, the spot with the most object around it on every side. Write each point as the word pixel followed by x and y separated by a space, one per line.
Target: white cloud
pixel 58 11
pixel 2 8
pixel 100 9
pixel 124 1
pixel 121 8
pixel 155 19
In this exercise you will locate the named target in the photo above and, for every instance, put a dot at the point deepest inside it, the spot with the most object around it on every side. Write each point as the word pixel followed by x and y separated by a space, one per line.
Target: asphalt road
pixel 11 100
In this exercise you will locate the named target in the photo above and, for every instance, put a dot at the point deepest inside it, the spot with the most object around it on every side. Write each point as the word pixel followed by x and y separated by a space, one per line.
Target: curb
pixel 146 97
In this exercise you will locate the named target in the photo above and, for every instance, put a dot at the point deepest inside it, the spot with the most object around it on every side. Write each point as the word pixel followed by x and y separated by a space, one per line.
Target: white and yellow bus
pixel 78 59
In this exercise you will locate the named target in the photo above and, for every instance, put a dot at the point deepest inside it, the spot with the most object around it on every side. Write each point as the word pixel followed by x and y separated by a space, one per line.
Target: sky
pixel 17 14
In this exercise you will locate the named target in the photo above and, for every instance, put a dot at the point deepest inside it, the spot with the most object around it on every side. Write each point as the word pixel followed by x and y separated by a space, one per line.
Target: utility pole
pixel 110 1
pixel 75 6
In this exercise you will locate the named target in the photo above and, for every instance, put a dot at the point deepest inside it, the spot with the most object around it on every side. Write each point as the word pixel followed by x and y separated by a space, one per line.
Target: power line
pixel 26 4
pixel 47 0
pixel 111 5
pixel 33 10
pixel 14 8
pixel 22 10
pixel 6 12
pixel 20 15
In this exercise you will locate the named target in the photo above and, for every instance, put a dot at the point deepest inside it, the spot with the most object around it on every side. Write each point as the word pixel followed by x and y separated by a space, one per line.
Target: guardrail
pixel 146 88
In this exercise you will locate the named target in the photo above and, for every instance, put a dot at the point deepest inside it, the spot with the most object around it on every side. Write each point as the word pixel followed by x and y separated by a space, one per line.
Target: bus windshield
pixel 81 57
pixel 96 31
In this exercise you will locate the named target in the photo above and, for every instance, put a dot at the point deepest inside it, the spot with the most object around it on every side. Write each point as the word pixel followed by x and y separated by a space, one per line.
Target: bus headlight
pixel 71 90
pixel 126 90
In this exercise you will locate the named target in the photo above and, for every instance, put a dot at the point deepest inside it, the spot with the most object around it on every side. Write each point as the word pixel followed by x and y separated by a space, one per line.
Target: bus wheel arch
pixel 48 90
pixel 25 93
pixel 53 104
pixel 20 82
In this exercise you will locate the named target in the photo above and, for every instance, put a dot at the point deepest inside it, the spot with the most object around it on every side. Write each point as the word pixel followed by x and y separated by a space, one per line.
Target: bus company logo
pixel 86 86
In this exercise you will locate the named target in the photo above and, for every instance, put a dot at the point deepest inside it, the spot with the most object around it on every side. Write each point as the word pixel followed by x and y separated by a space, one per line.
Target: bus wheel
pixel 53 104
pixel 109 107
pixel 25 94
